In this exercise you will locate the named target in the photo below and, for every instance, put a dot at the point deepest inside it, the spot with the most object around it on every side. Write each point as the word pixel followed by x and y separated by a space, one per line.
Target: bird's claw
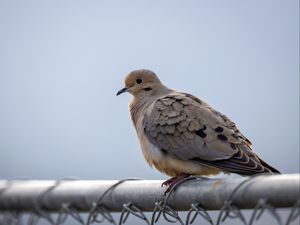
pixel 170 183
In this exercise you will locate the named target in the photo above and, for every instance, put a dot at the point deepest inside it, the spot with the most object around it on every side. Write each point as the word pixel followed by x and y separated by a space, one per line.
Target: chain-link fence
pixel 114 202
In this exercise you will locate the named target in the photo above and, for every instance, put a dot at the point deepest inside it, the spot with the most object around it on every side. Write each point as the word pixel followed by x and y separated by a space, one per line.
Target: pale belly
pixel 171 166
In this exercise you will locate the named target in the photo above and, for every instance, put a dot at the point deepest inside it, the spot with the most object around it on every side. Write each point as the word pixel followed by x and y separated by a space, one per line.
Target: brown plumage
pixel 182 135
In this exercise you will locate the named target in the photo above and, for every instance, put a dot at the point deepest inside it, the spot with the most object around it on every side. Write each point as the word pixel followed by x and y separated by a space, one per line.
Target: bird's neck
pixel 137 107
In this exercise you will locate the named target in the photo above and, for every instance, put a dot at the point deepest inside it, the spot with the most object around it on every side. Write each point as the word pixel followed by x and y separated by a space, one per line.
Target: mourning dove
pixel 182 135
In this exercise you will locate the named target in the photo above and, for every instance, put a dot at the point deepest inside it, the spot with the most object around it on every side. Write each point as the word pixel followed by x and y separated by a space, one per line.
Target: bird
pixel 181 135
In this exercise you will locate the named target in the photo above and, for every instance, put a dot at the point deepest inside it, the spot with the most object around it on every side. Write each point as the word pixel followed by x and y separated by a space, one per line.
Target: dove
pixel 181 135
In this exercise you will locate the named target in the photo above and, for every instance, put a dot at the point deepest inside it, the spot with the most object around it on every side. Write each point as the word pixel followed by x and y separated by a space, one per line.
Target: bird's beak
pixel 125 89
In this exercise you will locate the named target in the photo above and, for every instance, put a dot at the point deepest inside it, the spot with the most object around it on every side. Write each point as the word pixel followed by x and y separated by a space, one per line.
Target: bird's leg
pixel 170 183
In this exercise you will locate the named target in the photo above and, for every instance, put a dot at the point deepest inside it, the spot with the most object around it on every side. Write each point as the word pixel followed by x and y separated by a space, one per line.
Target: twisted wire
pixel 162 209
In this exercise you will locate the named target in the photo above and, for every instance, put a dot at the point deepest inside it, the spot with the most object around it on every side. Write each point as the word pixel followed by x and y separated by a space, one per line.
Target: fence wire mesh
pixel 14 209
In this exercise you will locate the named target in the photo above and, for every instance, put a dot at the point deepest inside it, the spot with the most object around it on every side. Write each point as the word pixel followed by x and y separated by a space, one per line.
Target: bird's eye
pixel 138 81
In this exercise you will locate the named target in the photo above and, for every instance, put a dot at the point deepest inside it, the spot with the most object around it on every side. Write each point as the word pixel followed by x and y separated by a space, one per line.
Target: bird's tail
pixel 273 170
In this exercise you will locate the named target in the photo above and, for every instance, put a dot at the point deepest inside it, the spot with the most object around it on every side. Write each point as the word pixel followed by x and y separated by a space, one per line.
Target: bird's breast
pixel 168 164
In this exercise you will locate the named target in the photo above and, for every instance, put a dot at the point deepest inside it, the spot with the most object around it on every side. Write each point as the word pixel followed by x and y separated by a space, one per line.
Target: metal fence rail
pixel 130 196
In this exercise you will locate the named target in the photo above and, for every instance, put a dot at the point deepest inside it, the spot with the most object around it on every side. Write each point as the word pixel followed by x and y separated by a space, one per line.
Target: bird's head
pixel 141 83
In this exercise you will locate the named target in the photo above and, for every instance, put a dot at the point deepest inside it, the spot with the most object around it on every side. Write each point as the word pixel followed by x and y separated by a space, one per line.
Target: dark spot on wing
pixel 164 151
pixel 219 129
pixel 222 137
pixel 201 133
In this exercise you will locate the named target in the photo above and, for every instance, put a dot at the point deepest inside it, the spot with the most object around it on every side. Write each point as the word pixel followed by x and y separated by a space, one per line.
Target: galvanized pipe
pixel 26 195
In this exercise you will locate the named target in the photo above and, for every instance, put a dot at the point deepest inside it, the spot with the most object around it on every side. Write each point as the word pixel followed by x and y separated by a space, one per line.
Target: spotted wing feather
pixel 189 129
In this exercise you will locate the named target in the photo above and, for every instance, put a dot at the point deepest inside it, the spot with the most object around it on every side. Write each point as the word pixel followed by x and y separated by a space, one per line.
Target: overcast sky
pixel 62 62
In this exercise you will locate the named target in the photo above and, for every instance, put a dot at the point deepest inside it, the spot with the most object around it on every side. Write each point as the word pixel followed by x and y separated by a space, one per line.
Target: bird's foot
pixel 170 183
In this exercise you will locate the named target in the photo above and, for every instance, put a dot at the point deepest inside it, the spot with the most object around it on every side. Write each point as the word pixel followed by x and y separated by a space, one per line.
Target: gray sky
pixel 61 63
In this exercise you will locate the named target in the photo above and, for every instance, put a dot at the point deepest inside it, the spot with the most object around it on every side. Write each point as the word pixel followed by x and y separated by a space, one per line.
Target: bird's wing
pixel 189 129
